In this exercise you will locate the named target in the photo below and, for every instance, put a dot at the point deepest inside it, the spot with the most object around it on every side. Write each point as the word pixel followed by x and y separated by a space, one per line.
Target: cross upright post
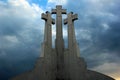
pixel 59 42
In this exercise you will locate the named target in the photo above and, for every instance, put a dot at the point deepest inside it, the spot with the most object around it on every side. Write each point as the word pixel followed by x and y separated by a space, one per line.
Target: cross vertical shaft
pixel 59 41
pixel 59 11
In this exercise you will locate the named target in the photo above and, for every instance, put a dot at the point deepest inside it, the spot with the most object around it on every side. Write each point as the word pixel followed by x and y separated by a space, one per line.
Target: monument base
pixel 74 69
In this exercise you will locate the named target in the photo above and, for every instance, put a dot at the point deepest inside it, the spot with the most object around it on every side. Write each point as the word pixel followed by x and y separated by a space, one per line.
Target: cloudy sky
pixel 22 30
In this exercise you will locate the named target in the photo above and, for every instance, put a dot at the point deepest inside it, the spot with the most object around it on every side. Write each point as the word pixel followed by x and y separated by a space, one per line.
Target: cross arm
pixel 54 11
pixel 65 21
pixel 75 17
pixel 44 16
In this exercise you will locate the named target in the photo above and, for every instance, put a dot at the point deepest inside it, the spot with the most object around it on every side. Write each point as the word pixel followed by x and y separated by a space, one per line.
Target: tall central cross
pixel 59 42
pixel 59 11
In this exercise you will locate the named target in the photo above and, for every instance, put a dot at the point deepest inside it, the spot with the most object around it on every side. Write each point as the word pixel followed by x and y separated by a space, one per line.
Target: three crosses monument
pixel 60 63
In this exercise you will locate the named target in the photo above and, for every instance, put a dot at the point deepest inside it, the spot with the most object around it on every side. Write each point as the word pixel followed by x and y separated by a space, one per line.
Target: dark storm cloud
pixel 21 34
pixel 111 39
pixel 11 26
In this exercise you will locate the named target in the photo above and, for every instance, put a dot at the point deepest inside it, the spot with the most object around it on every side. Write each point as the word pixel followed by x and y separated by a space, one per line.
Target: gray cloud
pixel 20 24
pixel 21 34
pixel 97 30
